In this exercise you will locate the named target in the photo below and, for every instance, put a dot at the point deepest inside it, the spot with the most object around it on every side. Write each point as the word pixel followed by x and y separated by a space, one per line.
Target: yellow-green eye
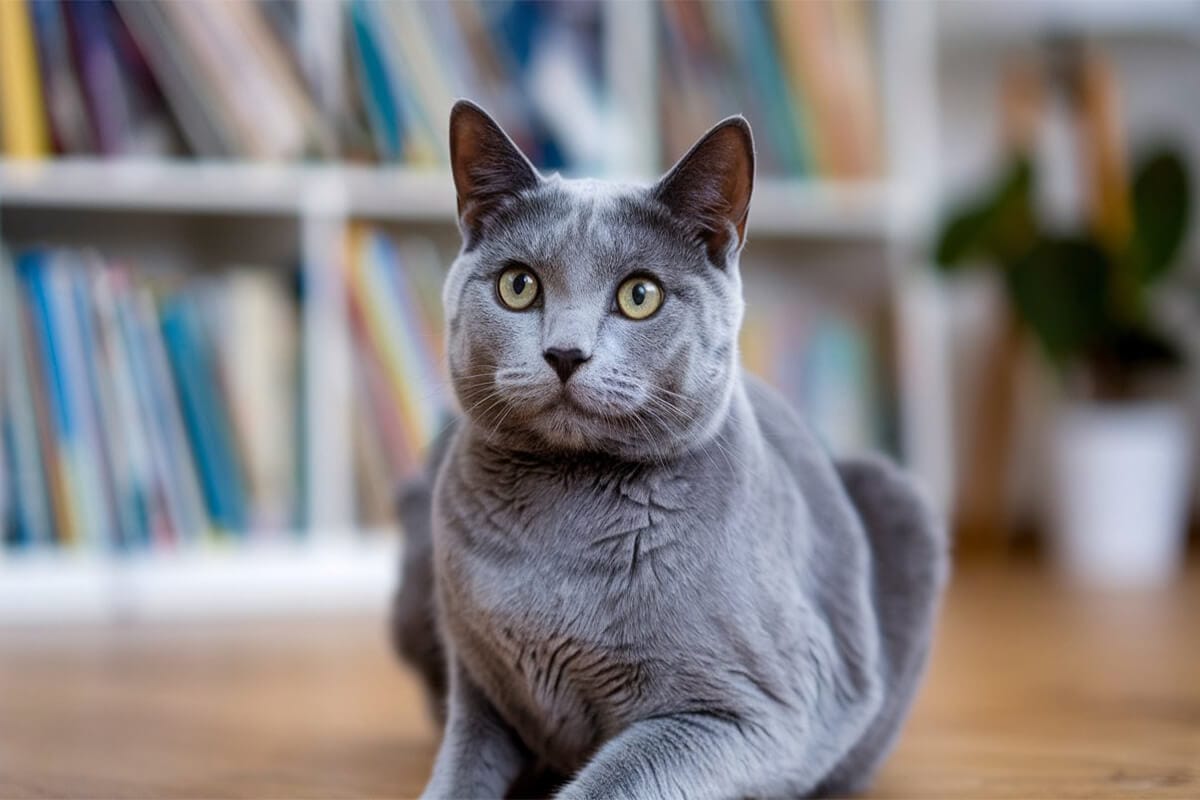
pixel 518 288
pixel 638 298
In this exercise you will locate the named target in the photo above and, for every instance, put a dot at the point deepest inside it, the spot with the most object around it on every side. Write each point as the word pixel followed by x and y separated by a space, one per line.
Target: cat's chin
pixel 570 424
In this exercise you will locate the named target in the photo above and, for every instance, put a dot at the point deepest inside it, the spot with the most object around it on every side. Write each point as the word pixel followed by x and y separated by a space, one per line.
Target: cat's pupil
pixel 639 293
pixel 519 283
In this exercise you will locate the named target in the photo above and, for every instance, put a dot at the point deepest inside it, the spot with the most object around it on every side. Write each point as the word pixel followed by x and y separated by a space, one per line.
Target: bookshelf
pixel 317 204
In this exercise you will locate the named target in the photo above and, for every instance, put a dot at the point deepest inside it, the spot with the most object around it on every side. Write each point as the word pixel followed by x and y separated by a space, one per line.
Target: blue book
pixel 32 269
pixel 205 418
pixel 182 512
pixel 383 112
pixel 32 522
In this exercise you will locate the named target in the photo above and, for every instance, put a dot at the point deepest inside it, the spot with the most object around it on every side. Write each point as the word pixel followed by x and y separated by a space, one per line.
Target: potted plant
pixel 1121 452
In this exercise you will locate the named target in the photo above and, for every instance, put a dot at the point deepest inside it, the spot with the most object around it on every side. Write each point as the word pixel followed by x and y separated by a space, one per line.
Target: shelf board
pixel 969 25
pixel 228 188
pixel 351 572
pixel 781 208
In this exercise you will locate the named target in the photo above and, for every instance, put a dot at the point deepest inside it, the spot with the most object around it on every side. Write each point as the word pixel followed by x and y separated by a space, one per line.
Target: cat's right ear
pixel 488 168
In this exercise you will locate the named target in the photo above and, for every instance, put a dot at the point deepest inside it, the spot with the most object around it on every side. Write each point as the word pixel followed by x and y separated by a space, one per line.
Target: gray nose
pixel 565 362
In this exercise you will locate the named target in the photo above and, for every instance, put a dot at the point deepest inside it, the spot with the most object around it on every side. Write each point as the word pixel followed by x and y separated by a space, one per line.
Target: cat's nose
pixel 565 362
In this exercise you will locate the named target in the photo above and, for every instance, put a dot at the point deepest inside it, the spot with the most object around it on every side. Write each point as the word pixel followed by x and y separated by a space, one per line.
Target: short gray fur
pixel 649 579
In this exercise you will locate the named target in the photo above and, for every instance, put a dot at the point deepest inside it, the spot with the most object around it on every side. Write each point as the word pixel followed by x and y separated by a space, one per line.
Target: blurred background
pixel 225 224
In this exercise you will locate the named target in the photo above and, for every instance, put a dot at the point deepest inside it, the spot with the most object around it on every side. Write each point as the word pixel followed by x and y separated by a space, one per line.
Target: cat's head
pixel 585 316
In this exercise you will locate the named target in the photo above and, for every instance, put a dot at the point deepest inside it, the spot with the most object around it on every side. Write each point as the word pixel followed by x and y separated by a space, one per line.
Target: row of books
pixel 138 411
pixel 276 80
pixel 363 80
pixel 401 391
pixel 141 409
pixel 803 72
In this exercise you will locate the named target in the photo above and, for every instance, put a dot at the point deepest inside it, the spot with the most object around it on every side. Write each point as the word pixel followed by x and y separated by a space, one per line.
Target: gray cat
pixel 631 565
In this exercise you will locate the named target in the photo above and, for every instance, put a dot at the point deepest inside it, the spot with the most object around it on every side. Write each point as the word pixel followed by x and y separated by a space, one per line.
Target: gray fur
pixel 649 579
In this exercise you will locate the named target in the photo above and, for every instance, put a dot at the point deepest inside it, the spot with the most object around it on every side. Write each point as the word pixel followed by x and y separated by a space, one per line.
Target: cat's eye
pixel 639 297
pixel 518 288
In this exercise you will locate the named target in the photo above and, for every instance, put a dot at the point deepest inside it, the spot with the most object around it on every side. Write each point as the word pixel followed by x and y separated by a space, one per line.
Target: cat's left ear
pixel 709 188
pixel 488 168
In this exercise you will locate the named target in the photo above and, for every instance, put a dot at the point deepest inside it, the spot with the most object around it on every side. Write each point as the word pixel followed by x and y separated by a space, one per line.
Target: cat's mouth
pixel 579 400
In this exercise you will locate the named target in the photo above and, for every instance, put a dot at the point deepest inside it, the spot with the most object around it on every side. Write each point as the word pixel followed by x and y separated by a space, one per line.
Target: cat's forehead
pixel 577 227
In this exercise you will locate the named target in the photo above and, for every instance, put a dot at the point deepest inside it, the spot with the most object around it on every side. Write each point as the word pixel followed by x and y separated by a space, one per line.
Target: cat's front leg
pixel 480 755
pixel 684 756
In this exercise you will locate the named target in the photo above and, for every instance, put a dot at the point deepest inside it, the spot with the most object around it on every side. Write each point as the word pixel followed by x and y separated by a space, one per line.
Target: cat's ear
pixel 709 188
pixel 488 168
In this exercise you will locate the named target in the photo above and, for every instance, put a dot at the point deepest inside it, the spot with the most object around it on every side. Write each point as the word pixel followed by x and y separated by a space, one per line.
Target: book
pixel 65 109
pixel 257 342
pixel 132 463
pixel 395 315
pixel 178 76
pixel 22 116
pixel 83 450
pixel 384 112
pixel 266 80
pixel 57 426
pixel 106 92
pixel 30 523
pixel 191 361
pixel 176 514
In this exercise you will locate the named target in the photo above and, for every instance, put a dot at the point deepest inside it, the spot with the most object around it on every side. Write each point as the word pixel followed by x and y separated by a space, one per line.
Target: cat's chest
pixel 549 588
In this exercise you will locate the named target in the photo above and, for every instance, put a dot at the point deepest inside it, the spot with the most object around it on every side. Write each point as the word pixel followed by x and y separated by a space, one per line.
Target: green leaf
pixel 961 239
pixel 1161 199
pixel 1059 289
pixel 997 228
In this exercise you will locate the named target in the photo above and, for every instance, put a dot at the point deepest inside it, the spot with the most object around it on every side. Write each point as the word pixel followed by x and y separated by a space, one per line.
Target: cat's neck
pixel 726 441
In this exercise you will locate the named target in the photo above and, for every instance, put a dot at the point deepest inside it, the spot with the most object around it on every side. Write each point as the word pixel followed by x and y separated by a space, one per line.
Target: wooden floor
pixel 1034 692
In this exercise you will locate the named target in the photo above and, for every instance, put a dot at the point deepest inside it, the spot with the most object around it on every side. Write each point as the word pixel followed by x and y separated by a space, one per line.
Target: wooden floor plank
pixel 1033 691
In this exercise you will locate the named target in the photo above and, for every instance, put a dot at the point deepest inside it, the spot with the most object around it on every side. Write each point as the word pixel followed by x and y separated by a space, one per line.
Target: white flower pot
pixel 1121 490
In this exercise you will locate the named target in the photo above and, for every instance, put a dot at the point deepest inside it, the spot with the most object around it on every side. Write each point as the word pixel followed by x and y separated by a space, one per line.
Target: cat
pixel 629 564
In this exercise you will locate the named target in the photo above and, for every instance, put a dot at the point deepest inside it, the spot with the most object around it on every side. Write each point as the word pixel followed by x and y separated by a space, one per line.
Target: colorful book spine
pixel 59 428
pixel 84 451
pixel 22 115
pixel 379 94
pixel 31 522
pixel 206 423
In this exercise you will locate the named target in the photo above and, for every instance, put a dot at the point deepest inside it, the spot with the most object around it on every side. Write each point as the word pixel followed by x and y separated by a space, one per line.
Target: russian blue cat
pixel 630 565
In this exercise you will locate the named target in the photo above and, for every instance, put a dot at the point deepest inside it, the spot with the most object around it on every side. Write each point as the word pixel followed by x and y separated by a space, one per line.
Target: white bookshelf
pixel 344 571
pixel 394 193
pixel 338 567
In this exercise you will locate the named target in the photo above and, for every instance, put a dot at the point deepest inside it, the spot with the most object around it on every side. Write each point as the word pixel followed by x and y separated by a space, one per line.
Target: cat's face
pixel 593 317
